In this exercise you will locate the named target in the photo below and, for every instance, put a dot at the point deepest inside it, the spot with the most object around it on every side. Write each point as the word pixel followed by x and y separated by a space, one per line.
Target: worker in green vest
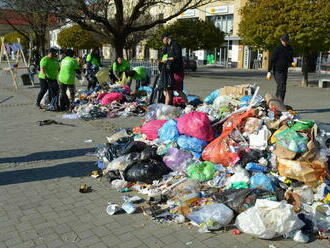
pixel 49 68
pixel 140 75
pixel 66 78
pixel 118 68
pixel 93 61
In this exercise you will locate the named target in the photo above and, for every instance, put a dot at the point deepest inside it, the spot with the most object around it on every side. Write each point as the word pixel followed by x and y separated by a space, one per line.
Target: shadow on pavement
pixel 72 169
pixel 309 111
pixel 50 155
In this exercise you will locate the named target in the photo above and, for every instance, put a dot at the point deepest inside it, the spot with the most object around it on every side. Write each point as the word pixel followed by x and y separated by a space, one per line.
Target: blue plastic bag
pixel 245 101
pixel 169 131
pixel 191 144
pixel 260 180
pixel 194 100
pixel 146 89
pixel 212 96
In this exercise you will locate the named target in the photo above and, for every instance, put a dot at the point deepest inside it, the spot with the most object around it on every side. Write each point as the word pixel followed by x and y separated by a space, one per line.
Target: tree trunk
pixel 304 81
pixel 119 42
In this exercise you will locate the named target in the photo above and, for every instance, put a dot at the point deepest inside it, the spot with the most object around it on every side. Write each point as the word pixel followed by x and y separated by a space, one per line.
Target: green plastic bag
pixel 201 171
pixel 303 125
pixel 292 140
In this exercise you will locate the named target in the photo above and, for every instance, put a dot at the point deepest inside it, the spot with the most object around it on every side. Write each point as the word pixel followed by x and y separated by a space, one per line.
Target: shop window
pixel 223 22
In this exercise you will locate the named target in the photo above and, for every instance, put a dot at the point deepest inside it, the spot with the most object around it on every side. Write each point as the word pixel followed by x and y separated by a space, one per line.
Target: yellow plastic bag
pixel 123 81
pixel 103 75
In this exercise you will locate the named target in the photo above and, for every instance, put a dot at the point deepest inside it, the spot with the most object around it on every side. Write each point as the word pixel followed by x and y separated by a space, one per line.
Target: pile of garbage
pixel 238 160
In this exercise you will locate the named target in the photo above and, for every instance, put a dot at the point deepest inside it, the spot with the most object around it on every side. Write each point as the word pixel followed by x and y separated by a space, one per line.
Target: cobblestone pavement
pixel 41 169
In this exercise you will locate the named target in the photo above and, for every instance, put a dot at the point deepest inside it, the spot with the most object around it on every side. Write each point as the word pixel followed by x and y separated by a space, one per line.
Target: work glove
pixel 269 76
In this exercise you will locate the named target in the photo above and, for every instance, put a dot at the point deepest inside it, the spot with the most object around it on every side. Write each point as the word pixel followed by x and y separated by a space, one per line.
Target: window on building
pixel 223 22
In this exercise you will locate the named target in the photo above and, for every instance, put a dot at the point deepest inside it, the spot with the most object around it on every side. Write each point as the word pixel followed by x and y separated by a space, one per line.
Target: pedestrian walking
pixel 172 59
pixel 281 59
pixel 140 75
pixel 49 68
pixel 118 68
pixel 69 68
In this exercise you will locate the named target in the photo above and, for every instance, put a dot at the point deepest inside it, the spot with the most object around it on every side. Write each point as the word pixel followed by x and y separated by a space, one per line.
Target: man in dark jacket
pixel 173 58
pixel 281 59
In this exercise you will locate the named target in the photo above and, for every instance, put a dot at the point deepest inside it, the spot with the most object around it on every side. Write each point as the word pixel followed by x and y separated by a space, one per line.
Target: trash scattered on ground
pixel 237 159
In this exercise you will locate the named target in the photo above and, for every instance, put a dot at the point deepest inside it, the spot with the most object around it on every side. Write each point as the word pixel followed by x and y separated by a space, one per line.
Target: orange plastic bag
pixel 218 151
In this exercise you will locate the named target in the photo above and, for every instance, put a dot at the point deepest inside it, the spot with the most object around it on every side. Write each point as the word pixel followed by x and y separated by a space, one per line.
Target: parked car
pixel 189 64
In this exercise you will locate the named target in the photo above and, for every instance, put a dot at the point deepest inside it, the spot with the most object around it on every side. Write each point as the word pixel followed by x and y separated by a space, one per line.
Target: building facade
pixel 225 15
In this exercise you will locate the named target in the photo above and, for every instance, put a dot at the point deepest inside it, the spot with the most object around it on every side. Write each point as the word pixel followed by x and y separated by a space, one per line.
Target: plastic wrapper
pixel 120 163
pixel 202 171
pixel 260 140
pixel 240 175
pixel 176 158
pixel 116 136
pixel 196 124
pixel 268 219
pixel 169 131
pixel 292 140
pixel 252 125
pixel 260 180
pixel 309 173
pixel 111 97
pixel 191 144
pixel 162 112
pixel 151 128
pixel 212 96
pixel 216 212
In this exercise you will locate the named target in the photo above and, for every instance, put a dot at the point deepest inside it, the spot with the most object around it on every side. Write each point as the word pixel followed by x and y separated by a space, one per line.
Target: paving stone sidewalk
pixel 41 169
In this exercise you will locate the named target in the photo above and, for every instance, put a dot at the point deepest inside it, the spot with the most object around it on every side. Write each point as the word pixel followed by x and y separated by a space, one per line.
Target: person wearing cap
pixel 49 68
pixel 140 76
pixel 172 56
pixel 69 68
pixel 280 61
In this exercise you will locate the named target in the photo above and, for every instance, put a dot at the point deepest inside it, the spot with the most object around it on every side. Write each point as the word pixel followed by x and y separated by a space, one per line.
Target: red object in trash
pixel 235 232
pixel 150 129
pixel 177 101
pixel 218 151
pixel 196 124
pixel 111 97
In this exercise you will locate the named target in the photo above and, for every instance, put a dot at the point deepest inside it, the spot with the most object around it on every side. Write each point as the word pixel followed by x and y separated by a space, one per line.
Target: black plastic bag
pixel 241 199
pixel 146 171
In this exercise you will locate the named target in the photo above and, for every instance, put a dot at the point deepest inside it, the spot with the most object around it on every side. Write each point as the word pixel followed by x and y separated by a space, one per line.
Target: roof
pixel 14 17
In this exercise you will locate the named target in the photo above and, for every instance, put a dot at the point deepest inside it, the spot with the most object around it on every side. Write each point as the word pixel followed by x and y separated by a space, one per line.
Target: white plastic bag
pixel 241 175
pixel 162 112
pixel 260 140
pixel 120 163
pixel 220 213
pixel 269 219
pixel 45 99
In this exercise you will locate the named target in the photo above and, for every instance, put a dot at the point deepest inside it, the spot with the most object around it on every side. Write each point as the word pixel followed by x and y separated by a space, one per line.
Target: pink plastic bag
pixel 127 89
pixel 100 96
pixel 111 97
pixel 151 128
pixel 196 124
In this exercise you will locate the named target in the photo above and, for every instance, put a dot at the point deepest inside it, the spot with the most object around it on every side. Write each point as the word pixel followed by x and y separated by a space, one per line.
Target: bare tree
pixel 116 20
pixel 37 14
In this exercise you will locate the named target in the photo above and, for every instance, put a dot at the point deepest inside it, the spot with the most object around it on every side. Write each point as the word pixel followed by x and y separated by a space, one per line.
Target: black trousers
pixel 65 103
pixel 47 84
pixel 281 78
